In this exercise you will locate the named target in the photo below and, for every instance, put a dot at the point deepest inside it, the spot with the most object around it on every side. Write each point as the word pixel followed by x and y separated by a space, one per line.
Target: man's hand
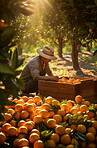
pixel 54 78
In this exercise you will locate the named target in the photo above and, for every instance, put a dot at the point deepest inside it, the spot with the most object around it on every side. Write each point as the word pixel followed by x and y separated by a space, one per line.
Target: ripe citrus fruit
pixel 34 137
pixel 51 123
pixel 65 139
pixel 57 117
pixel 90 137
pixel 51 143
pixel 55 137
pixel 23 142
pixel 81 128
pixel 59 129
pixel 38 144
pixel 2 138
pixel 78 99
pixel 37 119
pixel 12 131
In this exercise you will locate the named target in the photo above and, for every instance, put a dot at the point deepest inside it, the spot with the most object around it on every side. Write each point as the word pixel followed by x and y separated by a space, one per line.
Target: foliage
pixel 9 61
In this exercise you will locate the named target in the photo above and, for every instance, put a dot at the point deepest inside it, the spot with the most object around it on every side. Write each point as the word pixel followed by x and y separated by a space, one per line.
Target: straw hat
pixel 47 52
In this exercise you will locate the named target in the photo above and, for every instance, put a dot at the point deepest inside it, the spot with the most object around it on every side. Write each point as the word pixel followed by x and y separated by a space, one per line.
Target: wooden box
pixel 67 91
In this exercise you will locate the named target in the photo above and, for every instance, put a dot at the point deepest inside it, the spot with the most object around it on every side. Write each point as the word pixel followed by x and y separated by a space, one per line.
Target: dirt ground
pixel 87 64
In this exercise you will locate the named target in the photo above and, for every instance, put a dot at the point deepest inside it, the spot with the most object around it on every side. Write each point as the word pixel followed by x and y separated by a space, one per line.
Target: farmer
pixel 37 68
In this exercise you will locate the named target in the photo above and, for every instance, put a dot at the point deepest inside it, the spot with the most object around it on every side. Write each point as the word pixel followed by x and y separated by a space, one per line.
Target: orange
pixel 64 107
pixel 30 107
pixel 18 107
pixel 15 142
pixel 51 113
pixel 74 142
pixel 36 99
pixel 46 106
pixel 25 98
pixel 57 117
pixel 38 144
pixel 2 138
pixel 83 144
pixel 81 128
pixel 24 114
pixel 78 99
pixel 23 142
pixel 87 103
pixel 5 127
pixel 70 146
pixel 32 115
pixel 21 101
pixel 90 114
pixel 37 111
pixel 69 104
pixel 55 137
pixel 17 115
pixel 61 112
pixel 51 143
pixel 67 130
pixel 30 125
pixel 91 130
pixel 59 129
pixel 44 113
pixel 83 108
pixel 11 111
pixel 13 123
pixel 30 101
pixel 51 123
pixel 90 137
pixel 12 131
pixel 49 100
pixel 73 126
pixel 21 123
pixel 95 106
pixel 34 137
pixel 65 118
pixel 35 131
pixel 60 145
pixel 65 139
pixel 7 116
pixel 94 124
pixel 55 102
pixel 22 129
pixel 37 119
pixel 74 110
pixel 91 145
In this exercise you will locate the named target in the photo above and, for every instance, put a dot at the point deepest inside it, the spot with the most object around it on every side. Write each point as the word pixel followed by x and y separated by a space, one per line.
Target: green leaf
pixel 95 52
pixel 20 62
pixel 71 3
pixel 96 2
pixel 6 69
pixel 20 83
pixel 2 99
pixel 7 36
pixel 15 59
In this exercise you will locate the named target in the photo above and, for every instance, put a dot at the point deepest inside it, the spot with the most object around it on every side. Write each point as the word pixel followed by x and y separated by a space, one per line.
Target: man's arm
pixel 48 78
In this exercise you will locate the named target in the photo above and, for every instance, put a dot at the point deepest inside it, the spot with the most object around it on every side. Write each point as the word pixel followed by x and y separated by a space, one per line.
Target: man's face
pixel 46 60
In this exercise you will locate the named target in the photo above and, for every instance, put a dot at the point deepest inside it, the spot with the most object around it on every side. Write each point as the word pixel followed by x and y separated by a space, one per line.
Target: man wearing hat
pixel 37 68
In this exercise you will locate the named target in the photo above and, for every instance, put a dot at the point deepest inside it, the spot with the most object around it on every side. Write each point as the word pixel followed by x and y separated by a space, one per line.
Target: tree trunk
pixel 74 55
pixel 60 47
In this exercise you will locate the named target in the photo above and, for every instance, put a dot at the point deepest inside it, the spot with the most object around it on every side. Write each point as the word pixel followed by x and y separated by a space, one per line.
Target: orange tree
pixel 74 20
pixel 10 84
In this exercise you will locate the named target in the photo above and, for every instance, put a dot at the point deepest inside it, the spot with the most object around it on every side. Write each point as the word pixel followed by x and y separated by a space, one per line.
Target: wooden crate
pixel 62 91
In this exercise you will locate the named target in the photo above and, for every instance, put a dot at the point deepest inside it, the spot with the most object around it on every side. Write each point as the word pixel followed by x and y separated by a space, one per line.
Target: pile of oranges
pixel 69 80
pixel 48 123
